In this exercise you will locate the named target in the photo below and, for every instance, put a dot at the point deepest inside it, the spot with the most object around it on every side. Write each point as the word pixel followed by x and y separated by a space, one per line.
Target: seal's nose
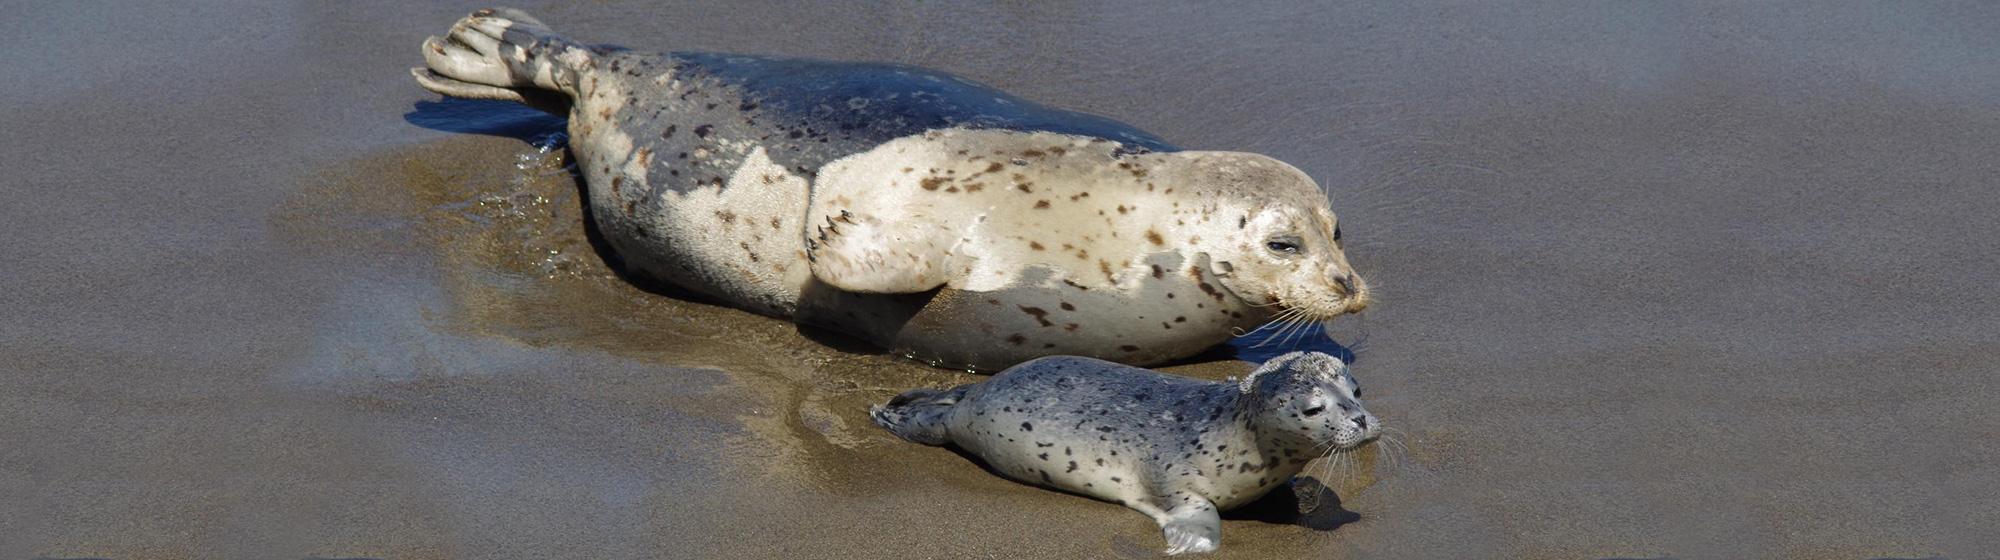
pixel 1345 281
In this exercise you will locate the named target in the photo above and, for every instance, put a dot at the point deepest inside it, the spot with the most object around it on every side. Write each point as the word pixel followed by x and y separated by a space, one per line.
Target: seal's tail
pixel 502 53
pixel 919 415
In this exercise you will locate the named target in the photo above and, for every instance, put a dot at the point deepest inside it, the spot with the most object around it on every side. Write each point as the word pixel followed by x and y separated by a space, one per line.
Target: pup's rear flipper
pixel 919 415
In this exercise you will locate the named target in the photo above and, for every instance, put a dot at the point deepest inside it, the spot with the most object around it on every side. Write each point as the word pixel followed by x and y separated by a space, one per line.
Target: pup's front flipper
pixel 1192 525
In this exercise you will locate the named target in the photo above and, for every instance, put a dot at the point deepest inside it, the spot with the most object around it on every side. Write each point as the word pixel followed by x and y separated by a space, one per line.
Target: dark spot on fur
pixel 1035 245
pixel 1041 204
pixel 1067 307
pixel 670 131
pixel 1154 237
pixel 1129 348
pixel 1210 290
pixel 1041 315
pixel 1017 340
pixel 704 130
pixel 932 183
pixel 1027 427
pixel 1158 272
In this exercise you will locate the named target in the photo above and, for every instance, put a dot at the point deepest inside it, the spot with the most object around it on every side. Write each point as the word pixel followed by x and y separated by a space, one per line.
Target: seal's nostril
pixel 1361 422
pixel 1346 283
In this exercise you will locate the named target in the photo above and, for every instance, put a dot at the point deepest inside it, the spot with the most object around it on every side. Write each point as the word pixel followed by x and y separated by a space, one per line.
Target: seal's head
pixel 1311 394
pixel 1286 251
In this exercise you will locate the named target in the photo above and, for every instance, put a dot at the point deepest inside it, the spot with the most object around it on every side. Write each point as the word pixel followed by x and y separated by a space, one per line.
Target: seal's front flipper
pixel 499 49
pixel 876 254
pixel 1192 526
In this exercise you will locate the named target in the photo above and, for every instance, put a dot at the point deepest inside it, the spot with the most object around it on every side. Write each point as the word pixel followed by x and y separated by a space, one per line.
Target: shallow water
pixel 1699 281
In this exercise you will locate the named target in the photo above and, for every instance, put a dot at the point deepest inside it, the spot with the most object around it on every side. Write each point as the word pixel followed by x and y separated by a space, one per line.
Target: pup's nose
pixel 1361 422
pixel 1345 281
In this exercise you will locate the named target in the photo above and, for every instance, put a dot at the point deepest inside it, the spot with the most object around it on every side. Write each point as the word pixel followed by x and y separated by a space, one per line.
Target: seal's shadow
pixel 488 117
pixel 1311 338
pixel 1286 508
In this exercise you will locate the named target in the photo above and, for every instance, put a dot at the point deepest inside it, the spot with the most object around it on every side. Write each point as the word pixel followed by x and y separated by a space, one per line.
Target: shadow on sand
pixel 491 118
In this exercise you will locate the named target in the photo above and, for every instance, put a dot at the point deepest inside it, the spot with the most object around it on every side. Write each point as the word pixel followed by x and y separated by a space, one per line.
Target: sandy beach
pixel 1655 281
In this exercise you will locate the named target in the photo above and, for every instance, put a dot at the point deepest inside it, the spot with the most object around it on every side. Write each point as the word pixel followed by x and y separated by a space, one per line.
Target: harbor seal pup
pixel 945 220
pixel 1177 449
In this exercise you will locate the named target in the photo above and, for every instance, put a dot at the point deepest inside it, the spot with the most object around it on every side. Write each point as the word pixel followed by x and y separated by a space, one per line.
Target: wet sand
pixel 1657 281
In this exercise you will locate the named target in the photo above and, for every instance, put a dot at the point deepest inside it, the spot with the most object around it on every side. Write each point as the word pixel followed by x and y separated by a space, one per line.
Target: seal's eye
pixel 1357 392
pixel 1336 234
pixel 1314 411
pixel 1286 245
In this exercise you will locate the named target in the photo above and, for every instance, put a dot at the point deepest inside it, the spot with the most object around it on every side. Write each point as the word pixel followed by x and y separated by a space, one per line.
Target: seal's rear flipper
pixel 495 50
pixel 918 415
pixel 551 102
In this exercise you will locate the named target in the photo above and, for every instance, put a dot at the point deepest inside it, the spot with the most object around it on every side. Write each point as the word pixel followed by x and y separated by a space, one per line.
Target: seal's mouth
pixel 1324 308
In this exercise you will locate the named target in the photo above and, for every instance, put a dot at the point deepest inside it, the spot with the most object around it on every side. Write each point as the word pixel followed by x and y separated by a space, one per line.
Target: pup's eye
pixel 1314 411
pixel 1336 233
pixel 1357 392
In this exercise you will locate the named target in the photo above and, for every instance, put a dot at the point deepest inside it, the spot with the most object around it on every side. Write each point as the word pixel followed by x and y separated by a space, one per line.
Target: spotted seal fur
pixel 945 220
pixel 1175 448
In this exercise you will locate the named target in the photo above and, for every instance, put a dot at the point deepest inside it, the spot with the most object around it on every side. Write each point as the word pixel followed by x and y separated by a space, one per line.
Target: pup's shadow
pixel 1307 504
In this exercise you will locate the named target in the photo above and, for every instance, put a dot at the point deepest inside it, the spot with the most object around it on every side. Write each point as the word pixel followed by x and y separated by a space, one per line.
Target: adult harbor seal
pixel 945 220
pixel 1175 448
